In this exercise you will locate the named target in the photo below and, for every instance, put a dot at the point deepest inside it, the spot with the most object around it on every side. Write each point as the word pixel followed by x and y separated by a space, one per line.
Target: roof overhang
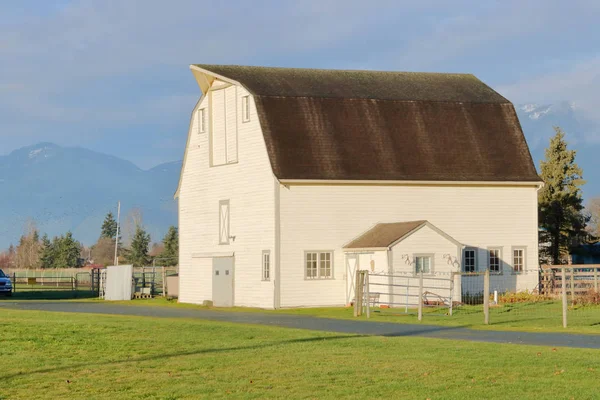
pixel 311 182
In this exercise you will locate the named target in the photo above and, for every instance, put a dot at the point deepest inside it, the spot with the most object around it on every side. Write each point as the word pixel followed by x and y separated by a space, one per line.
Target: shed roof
pixel 384 235
pixel 372 125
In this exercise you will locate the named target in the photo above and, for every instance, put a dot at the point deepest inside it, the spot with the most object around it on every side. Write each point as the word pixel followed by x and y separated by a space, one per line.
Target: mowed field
pixel 82 356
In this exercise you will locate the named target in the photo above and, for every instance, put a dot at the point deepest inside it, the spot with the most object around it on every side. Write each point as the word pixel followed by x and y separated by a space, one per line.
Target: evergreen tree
pixel 170 255
pixel 47 253
pixel 137 254
pixel 562 222
pixel 67 251
pixel 109 227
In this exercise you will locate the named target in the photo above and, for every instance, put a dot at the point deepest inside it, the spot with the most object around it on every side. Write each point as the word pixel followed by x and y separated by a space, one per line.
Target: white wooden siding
pixel 328 216
pixel 249 186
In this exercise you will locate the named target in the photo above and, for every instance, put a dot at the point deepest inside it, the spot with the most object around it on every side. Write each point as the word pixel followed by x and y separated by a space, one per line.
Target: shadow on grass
pixel 50 295
pixel 70 367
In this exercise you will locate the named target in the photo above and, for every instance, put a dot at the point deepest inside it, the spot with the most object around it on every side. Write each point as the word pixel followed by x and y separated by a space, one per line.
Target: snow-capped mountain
pixel 67 188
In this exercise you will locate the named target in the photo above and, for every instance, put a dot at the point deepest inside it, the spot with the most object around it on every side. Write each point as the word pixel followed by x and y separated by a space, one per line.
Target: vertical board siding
pixel 324 217
pixel 248 185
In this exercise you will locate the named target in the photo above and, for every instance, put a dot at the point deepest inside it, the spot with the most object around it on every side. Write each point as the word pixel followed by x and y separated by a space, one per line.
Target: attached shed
pixel 400 250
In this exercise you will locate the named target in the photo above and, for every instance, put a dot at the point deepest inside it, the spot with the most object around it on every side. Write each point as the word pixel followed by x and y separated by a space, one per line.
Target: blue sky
pixel 113 76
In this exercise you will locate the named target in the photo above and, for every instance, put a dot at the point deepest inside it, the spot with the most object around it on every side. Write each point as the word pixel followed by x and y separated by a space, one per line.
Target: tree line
pixel 64 251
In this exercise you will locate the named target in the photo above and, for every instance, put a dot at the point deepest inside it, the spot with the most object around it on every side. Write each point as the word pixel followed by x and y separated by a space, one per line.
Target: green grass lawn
pixel 80 356
pixel 533 317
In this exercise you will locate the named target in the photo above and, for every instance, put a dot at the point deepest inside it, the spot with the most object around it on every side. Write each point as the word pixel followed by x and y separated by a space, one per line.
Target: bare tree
pixel 593 209
pixel 133 219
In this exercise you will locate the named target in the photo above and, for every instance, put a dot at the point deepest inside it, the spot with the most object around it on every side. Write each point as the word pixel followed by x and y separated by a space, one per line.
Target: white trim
pixel 246 109
pixel 363 249
pixel 213 254
pixel 407 182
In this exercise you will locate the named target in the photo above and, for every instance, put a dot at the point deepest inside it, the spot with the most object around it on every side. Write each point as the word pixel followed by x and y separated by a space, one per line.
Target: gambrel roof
pixel 388 126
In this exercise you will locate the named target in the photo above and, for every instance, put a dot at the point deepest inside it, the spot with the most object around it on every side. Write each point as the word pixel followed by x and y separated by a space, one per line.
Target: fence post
pixel 14 281
pixel 572 285
pixel 164 282
pixel 564 297
pixel 486 296
pixel 452 275
pixel 420 304
pixel 367 293
pixel 596 279
pixel 356 282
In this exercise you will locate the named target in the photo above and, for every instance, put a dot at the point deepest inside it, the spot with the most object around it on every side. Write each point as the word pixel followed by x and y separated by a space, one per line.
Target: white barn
pixel 292 178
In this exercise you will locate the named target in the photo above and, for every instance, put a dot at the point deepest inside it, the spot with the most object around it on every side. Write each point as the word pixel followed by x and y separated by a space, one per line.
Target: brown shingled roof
pixel 384 235
pixel 369 125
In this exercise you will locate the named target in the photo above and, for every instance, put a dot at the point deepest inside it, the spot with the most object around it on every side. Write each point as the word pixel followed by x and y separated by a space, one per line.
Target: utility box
pixel 173 286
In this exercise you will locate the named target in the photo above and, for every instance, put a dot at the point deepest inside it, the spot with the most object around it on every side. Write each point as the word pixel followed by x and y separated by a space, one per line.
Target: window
pixel 519 259
pixel 319 264
pixel 224 222
pixel 494 260
pixel 266 265
pixel 423 263
pixel 202 120
pixel 470 260
pixel 245 109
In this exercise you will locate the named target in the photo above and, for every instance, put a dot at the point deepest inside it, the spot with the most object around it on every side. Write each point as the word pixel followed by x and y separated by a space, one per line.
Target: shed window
pixel 318 264
pixel 266 265
pixel 245 108
pixel 423 263
pixel 469 260
pixel 224 222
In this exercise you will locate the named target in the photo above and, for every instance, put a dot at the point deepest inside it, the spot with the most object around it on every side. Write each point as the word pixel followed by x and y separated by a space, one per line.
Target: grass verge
pixel 79 356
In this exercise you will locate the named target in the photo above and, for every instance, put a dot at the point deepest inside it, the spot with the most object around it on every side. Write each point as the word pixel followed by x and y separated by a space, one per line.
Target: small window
pixel 423 263
pixel 266 265
pixel 470 260
pixel 518 260
pixel 319 264
pixel 494 260
pixel 245 108
pixel 224 222
pixel 202 120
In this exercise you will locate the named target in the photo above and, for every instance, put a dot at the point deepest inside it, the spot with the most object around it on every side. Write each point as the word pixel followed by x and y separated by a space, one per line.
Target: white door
pixel 351 268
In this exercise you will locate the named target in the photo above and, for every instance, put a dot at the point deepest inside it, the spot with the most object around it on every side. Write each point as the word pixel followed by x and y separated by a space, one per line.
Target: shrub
pixel 521 297
pixel 589 298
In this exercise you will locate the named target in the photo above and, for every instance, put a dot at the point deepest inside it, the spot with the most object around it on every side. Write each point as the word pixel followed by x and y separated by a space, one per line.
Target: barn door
pixel 222 287
pixel 224 222
pixel 351 268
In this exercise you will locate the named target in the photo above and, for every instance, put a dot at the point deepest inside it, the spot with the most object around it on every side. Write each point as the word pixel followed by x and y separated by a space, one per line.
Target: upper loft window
pixel 245 109
pixel 202 120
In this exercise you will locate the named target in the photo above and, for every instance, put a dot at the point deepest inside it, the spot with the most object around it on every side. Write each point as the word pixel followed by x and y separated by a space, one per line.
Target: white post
pixel 368 296
pixel 117 237
pixel 486 297
pixel 420 304
pixel 564 297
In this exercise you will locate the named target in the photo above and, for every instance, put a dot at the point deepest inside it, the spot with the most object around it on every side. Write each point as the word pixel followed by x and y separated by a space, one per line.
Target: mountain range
pixel 72 188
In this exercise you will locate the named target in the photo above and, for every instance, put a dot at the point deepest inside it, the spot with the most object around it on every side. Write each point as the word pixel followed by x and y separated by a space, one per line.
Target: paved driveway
pixel 318 324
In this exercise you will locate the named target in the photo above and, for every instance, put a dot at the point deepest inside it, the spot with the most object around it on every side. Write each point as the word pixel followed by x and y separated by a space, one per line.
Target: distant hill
pixel 72 188
pixel 538 120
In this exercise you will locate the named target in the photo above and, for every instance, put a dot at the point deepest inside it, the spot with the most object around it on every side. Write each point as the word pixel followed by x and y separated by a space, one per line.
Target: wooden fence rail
pixel 579 279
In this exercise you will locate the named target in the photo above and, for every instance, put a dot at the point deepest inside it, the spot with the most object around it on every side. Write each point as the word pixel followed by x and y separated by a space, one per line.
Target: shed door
pixel 222 287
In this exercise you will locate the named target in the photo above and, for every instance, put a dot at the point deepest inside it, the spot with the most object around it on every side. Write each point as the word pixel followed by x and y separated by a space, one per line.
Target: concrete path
pixel 318 324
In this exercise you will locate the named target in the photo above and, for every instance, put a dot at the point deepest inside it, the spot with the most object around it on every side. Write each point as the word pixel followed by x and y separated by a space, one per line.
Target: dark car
pixel 5 284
